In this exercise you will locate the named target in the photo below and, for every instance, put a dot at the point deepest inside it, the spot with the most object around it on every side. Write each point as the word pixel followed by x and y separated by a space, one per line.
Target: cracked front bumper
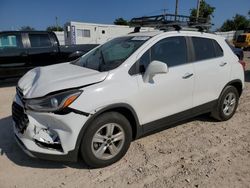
pixel 47 135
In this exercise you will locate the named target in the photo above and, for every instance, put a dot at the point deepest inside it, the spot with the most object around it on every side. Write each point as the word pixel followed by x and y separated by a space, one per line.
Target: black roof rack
pixel 171 21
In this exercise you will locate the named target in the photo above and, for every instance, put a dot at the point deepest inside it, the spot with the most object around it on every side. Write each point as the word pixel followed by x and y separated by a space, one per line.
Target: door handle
pixel 223 64
pixel 187 75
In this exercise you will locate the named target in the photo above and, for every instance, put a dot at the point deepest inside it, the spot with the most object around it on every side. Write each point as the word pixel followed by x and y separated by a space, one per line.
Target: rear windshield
pixel 111 54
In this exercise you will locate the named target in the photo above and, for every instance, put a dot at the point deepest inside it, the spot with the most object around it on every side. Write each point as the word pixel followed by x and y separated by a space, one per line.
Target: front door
pixel 170 93
pixel 13 56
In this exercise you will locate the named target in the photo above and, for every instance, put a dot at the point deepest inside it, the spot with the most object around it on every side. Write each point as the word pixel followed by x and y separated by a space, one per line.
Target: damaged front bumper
pixel 47 135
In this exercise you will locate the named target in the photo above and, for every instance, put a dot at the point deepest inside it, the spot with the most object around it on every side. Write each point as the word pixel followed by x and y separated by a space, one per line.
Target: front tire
pixel 227 104
pixel 106 140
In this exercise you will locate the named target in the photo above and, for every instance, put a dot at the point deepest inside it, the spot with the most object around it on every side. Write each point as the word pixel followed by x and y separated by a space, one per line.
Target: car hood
pixel 41 81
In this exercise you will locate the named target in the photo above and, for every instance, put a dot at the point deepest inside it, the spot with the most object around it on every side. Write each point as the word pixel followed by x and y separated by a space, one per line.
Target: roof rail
pixel 171 21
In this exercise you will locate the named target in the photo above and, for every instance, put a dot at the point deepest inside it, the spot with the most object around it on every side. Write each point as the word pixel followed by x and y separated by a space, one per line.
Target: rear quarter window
pixel 218 50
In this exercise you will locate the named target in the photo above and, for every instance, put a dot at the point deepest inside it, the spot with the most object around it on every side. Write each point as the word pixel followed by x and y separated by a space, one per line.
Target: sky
pixel 42 13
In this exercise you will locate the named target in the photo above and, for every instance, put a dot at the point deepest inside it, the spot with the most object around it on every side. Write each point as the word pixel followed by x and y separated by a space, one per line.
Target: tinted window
pixel 39 40
pixel 218 49
pixel 204 48
pixel 171 51
pixel 10 41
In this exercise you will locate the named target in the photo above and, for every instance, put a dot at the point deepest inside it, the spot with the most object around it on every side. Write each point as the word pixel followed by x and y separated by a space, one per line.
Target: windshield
pixel 111 54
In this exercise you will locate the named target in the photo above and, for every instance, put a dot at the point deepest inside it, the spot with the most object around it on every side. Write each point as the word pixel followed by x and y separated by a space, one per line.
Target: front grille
pixel 20 118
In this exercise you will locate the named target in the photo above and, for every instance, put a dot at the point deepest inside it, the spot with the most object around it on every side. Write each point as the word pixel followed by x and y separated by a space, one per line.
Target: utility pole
pixel 198 9
pixel 57 24
pixel 176 8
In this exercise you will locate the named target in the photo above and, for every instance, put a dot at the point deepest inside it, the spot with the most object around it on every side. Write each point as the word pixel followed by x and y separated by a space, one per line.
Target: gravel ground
pixel 198 153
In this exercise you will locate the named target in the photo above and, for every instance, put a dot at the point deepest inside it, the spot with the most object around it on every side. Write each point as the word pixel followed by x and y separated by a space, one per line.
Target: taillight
pixel 243 63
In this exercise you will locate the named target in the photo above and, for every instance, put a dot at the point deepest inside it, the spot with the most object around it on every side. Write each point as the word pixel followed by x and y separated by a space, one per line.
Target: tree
pixel 206 11
pixel 54 28
pixel 121 21
pixel 27 28
pixel 239 22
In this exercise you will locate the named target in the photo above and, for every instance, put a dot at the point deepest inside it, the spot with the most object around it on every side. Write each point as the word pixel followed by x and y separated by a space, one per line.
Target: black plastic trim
pixel 169 121
pixel 72 156
pixel 69 110
pixel 232 82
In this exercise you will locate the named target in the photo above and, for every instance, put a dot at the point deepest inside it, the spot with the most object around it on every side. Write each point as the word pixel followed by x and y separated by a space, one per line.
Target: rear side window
pixel 10 41
pixel 39 40
pixel 203 48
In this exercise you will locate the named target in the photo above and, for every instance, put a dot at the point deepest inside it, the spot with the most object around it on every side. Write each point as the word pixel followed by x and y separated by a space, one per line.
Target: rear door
pixel 42 50
pixel 211 68
pixel 13 55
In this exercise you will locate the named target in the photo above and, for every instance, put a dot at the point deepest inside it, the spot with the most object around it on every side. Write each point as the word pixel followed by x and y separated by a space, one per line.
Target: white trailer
pixel 92 33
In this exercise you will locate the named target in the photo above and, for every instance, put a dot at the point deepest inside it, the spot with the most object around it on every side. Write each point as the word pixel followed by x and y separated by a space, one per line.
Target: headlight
pixel 54 102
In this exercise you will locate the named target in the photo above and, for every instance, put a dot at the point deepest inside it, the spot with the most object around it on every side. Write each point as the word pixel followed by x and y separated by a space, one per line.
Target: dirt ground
pixel 198 153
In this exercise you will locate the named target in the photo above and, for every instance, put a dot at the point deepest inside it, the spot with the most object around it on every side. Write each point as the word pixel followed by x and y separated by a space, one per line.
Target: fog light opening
pixel 48 139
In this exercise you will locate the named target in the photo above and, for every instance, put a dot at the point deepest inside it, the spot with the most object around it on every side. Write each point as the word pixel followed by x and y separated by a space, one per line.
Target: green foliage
pixel 54 28
pixel 27 28
pixel 206 11
pixel 121 21
pixel 239 22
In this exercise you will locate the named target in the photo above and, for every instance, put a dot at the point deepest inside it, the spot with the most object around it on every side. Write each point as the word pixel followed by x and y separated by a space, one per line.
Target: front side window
pixel 172 51
pixel 10 41
pixel 111 54
pixel 39 40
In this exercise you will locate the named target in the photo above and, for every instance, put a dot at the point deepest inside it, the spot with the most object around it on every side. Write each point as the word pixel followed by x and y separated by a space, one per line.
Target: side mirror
pixel 155 67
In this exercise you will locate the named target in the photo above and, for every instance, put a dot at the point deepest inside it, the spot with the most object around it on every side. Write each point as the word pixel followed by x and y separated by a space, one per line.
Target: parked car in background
pixel 21 51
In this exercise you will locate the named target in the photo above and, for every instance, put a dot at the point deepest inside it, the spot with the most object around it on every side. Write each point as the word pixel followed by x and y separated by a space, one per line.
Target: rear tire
pixel 106 140
pixel 227 104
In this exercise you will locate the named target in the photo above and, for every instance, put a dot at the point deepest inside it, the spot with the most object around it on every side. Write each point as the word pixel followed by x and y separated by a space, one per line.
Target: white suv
pixel 122 90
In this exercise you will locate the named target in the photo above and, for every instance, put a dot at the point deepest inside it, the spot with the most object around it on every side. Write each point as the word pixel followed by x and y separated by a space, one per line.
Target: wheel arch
pixel 122 108
pixel 237 84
